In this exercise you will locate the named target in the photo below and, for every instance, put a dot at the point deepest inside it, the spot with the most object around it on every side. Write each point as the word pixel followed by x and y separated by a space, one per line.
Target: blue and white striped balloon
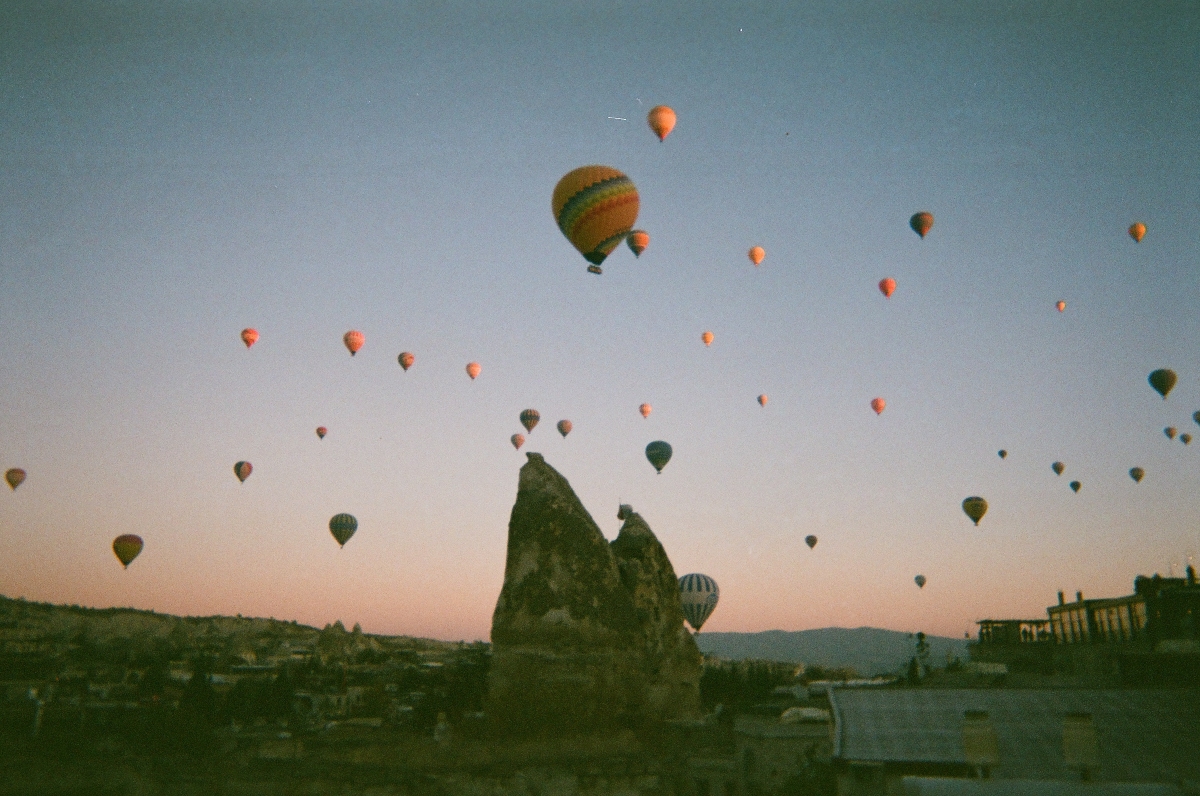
pixel 699 595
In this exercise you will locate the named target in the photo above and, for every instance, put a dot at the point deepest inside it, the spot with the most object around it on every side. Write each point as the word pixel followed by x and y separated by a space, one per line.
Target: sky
pixel 173 172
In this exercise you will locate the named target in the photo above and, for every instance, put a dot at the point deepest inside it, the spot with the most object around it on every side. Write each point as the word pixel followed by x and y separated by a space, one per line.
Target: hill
pixel 867 650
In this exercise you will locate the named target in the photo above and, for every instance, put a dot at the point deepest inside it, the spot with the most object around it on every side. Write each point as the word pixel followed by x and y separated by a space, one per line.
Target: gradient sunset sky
pixel 174 172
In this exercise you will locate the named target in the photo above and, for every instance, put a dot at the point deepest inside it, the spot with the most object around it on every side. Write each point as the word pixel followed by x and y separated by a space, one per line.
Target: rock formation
pixel 586 636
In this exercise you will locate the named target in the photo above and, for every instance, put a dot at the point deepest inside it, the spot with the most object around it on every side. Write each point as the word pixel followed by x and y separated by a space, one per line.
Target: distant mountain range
pixel 867 650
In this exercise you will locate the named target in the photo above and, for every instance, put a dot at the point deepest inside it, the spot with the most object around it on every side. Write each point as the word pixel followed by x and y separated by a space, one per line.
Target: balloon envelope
pixel 659 453
pixel 1137 231
pixel 1003 454
pixel 699 595
pixel 707 338
pixel 920 581
pixel 756 254
pixel 126 547
pixel 517 440
pixel 921 223
pixel 637 242
pixel 878 404
pixel 473 369
pixel 1061 306
pixel 811 541
pixel 564 427
pixel 342 526
pixel 887 287
pixel 661 120
pixel 249 337
pixel 1186 439
pixel 762 400
pixel 353 340
pixel 322 431
pixel 1058 468
pixel 645 409
pixel 595 207
pixel 1162 380
pixel 242 470
pixel 975 507
pixel 15 477
pixel 1170 431
pixel 1196 417
pixel 406 359
pixel 1137 474
pixel 530 418
pixel 1075 486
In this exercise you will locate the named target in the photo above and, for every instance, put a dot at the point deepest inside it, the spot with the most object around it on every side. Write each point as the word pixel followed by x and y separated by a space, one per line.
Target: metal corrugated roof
pixel 1146 736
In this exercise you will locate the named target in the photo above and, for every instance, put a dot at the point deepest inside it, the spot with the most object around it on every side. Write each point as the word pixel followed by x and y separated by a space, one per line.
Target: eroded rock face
pixel 585 635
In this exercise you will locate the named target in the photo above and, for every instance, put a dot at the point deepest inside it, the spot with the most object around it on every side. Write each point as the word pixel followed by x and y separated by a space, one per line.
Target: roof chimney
pixel 1078 596
pixel 980 746
pixel 1061 601
pixel 1081 747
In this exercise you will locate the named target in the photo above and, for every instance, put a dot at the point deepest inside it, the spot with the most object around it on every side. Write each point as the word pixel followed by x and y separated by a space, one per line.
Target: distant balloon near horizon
pixel 595 208
pixel 249 336
pixel 1003 454
pixel 1137 474
pixel 1058 468
pixel 975 507
pixel 342 526
pixel 659 453
pixel 1170 431
pixel 878 404
pixel 661 120
pixel 921 223
pixel 242 470
pixel 756 255
pixel 321 432
pixel 646 409
pixel 1075 486
pixel 811 541
pixel 1061 306
pixel 517 440
pixel 920 581
pixel 406 359
pixel 1162 380
pixel 887 287
pixel 530 418
pixel 698 595
pixel 353 341
pixel 473 369
pixel 707 339
pixel 637 242
pixel 1137 231
pixel 126 547
pixel 762 399
pixel 564 427
pixel 15 477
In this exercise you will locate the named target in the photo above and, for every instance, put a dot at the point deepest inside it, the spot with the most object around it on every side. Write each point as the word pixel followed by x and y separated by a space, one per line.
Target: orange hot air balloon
pixel 887 287
pixel 707 337
pixel 406 359
pixel 321 432
pixel 242 470
pixel 249 336
pixel 662 121
pixel 1137 232
pixel 517 440
pixel 921 223
pixel 756 255
pixel 126 548
pixel 878 404
pixel 473 369
pixel 645 409
pixel 762 400
pixel 15 477
pixel 353 340
pixel 564 427
pixel 1061 306
pixel 637 242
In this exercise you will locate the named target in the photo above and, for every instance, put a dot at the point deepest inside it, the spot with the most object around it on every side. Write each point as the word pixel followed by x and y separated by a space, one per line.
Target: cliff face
pixel 585 635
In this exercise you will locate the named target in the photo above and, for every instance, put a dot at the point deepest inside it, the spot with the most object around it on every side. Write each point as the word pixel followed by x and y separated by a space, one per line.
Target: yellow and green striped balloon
pixel 595 207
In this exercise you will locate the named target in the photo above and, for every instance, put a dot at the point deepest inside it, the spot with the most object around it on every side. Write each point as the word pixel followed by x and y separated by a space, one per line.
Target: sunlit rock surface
pixel 585 635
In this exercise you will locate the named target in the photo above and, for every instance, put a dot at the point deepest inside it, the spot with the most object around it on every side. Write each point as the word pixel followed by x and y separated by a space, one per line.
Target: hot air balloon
pixel 1170 431
pixel 921 223
pixel 595 207
pixel 707 337
pixel 564 427
pixel 242 470
pixel 762 400
pixel 1058 468
pixel 975 508
pixel 637 242
pixel 756 254
pixel 878 404
pixel 1137 474
pixel 1186 439
pixel 1196 417
pixel 126 548
pixel 661 120
pixel 1061 306
pixel 321 432
pixel 811 541
pixel 15 477
pixel 1162 380
pixel 249 336
pixel 1003 454
pixel 1137 231
pixel 659 453
pixel 920 581
pixel 530 418
pixel 517 440
pixel 406 359
pixel 1075 486
pixel 473 369
pixel 887 287
pixel 645 409
pixel 699 595
pixel 342 526
pixel 353 340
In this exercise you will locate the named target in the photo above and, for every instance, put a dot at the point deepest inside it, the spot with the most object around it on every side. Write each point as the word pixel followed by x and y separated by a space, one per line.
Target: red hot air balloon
pixel 517 440
pixel 921 223
pixel 646 409
pixel 564 427
pixel 354 340
pixel 473 369
pixel 406 359
pixel 762 400
pixel 878 404
pixel 707 338
pixel 126 548
pixel 1061 306
pixel 887 287
pixel 1137 232
pixel 637 242
pixel 15 477
pixel 249 337
pixel 242 470
pixel 661 120
pixel 321 432
pixel 756 255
